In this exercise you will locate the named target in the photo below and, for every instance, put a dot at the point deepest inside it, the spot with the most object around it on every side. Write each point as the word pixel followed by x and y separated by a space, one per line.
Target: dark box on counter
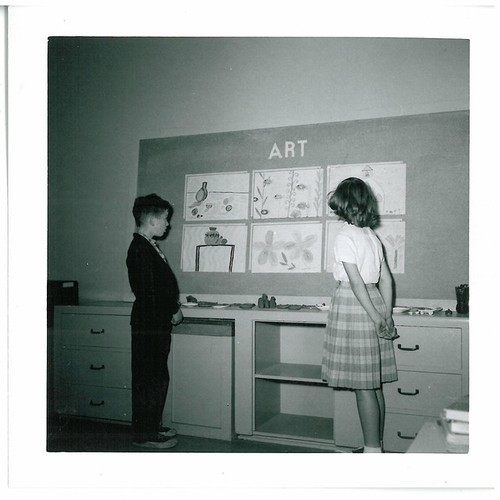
pixel 60 292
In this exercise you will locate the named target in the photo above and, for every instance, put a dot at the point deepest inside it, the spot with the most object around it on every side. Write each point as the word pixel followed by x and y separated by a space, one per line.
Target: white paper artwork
pixel 214 248
pixel 286 247
pixel 287 193
pixel 220 196
pixel 391 233
pixel 387 181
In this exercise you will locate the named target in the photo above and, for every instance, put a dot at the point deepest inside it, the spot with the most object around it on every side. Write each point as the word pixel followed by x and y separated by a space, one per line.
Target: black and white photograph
pixel 239 257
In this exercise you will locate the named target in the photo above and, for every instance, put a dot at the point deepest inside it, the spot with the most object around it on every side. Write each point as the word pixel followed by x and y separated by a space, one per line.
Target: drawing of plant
pixel 396 243
pixel 318 189
pixel 262 193
pixel 290 191
pixel 268 249
pixel 284 262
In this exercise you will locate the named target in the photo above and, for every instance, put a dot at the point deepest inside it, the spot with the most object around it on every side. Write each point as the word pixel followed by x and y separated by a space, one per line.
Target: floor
pixel 78 435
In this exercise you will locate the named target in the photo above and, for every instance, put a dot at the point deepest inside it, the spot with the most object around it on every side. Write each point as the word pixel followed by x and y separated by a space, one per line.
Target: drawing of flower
pixel 268 249
pixel 300 247
pixel 262 194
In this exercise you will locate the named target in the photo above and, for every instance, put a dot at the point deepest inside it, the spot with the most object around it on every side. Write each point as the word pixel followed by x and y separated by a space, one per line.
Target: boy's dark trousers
pixel 150 379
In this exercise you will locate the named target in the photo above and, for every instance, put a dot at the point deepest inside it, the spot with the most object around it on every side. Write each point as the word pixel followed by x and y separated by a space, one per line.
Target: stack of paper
pixel 455 423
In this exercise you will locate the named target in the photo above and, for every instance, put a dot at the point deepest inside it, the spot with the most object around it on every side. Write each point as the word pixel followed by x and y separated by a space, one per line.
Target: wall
pixel 105 95
pixel 434 148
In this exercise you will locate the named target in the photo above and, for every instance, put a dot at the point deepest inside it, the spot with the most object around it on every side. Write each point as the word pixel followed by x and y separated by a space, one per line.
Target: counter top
pixel 305 314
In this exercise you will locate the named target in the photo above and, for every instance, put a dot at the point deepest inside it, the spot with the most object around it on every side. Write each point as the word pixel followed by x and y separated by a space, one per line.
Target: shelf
pixel 291 372
pixel 295 426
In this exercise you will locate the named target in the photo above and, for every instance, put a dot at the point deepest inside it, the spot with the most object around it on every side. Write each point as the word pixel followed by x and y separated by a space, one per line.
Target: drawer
pixel 429 349
pixel 205 327
pixel 98 330
pixel 422 393
pixel 94 402
pixel 93 367
pixel 400 431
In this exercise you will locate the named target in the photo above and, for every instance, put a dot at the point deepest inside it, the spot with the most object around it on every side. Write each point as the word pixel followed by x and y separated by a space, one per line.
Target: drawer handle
pixel 96 332
pixel 92 367
pixel 96 404
pixel 401 348
pixel 406 437
pixel 408 393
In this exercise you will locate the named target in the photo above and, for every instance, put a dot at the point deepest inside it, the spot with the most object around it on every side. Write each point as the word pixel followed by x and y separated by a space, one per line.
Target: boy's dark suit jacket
pixel 154 286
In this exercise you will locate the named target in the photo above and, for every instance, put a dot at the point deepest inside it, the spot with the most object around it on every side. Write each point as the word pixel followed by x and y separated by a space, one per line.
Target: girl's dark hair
pixel 354 202
pixel 150 204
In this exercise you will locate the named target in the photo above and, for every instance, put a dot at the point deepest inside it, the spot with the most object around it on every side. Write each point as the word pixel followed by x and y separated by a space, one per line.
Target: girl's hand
pixel 380 326
pixel 390 323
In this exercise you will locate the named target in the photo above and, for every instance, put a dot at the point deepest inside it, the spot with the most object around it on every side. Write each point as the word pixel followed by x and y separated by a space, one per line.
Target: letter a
pixel 275 152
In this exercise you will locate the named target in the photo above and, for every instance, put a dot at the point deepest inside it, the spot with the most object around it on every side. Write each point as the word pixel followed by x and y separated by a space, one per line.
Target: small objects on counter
pixel 190 298
pixel 265 303
pixel 321 307
pixel 448 312
pixel 424 310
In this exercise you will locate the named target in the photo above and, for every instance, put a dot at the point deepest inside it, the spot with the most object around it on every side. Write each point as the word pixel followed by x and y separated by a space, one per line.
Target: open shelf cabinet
pixel 290 399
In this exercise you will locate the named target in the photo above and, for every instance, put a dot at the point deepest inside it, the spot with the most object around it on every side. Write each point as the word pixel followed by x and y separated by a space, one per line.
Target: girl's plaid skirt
pixel 354 357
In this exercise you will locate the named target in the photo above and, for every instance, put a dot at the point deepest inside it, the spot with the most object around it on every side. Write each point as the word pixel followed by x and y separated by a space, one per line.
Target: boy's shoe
pixel 168 432
pixel 158 443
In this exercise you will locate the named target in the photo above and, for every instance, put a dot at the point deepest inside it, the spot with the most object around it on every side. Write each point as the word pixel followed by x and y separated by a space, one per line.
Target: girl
pixel 358 352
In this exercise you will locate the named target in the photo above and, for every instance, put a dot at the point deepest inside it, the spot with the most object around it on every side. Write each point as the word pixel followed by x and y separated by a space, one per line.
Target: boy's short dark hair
pixel 151 204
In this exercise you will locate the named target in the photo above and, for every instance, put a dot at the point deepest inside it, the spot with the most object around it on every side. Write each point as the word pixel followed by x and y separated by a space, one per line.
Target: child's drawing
pixel 221 196
pixel 219 248
pixel 392 235
pixel 387 181
pixel 286 248
pixel 288 193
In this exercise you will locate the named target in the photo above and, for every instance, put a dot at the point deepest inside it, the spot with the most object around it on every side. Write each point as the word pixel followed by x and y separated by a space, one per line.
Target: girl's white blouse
pixel 360 246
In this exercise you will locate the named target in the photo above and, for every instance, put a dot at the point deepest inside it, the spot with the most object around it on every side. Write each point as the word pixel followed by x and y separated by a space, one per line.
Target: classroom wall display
pixel 286 247
pixel 391 233
pixel 216 196
pixel 387 181
pixel 419 168
pixel 287 193
pixel 220 248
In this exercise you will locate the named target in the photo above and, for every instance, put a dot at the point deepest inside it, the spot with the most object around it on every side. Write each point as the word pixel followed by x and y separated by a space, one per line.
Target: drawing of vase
pixel 212 236
pixel 202 193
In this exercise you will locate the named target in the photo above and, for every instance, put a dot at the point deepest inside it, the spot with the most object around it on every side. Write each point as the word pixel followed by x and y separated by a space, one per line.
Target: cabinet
pixel 432 360
pixel 257 374
pixel 291 402
pixel 92 370
pixel 92 375
pixel 200 400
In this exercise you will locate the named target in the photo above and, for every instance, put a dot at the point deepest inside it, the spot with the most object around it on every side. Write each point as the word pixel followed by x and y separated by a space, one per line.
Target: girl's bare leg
pixel 370 416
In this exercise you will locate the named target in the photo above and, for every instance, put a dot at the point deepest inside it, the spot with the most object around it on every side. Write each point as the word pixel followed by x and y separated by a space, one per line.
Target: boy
pixel 155 310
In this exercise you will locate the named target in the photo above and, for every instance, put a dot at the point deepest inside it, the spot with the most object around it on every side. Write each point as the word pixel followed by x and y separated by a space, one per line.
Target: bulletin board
pixel 250 212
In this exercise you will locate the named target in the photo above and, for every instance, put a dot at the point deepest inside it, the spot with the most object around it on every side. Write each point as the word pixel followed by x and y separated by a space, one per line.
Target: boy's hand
pixel 177 318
